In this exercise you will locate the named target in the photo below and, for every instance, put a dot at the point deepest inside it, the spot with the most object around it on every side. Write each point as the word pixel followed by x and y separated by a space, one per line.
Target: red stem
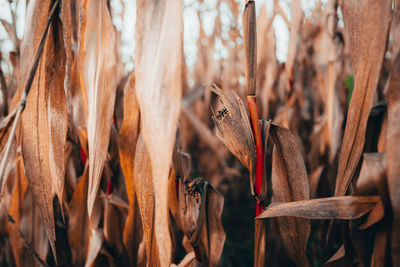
pixel 251 101
pixel 110 186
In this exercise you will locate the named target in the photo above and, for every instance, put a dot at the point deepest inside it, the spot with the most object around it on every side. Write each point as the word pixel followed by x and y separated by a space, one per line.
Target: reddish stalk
pixel 251 101
pixel 250 47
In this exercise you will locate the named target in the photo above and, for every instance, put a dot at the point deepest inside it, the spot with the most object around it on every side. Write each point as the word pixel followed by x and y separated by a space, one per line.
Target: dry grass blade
pixel 234 130
pixel 78 231
pixel 7 126
pixel 295 25
pixel 146 199
pixel 367 24
pixel 97 68
pixel 158 53
pixel 66 19
pixel 213 234
pixel 290 183
pixel 393 154
pixel 128 136
pixel 346 208
pixel 44 126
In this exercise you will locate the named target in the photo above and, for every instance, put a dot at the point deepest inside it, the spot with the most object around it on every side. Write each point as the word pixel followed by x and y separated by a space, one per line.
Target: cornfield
pixel 236 159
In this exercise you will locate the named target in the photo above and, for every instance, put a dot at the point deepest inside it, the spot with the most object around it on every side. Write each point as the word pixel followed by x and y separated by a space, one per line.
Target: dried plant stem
pixel 22 102
pixel 251 100
pixel 250 46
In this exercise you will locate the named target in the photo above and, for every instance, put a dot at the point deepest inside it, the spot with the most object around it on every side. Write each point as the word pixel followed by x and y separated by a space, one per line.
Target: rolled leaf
pixel 158 55
pixel 367 23
pixel 98 84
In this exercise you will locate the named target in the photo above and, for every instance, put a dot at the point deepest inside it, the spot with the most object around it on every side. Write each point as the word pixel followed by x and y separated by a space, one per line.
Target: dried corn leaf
pixel 146 200
pixel 158 53
pixel 98 85
pixel 234 130
pixel 346 208
pixel 5 130
pixel 290 183
pixel 44 127
pixel 128 136
pixel 372 178
pixel 78 230
pixel 95 243
pixel 367 24
pixel 213 234
pixel 393 154
pixel 66 18
pixel 294 37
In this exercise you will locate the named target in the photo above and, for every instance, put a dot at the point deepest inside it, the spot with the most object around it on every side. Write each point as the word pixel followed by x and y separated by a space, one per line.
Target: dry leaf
pixel 5 130
pixel 346 208
pixel 133 233
pixel 367 24
pixel 393 154
pixel 98 85
pixel 290 183
pixel 146 200
pixel 158 53
pixel 295 26
pixel 44 126
pixel 78 231
pixel 372 178
pixel 234 130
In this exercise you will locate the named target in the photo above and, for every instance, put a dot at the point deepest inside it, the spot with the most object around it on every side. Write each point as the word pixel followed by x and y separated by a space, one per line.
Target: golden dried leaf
pixel 367 24
pixel 78 230
pixel 158 54
pixel 44 125
pixel 146 200
pixel 98 85
pixel 128 135
pixel 5 130
pixel 295 26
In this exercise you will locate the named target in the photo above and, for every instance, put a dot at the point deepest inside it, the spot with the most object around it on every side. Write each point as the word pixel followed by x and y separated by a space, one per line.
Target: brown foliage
pixel 101 166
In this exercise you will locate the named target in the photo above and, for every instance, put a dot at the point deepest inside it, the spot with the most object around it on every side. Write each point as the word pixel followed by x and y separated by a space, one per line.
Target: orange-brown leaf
pixel 158 54
pixel 367 23
pixel 346 208
pixel 44 126
pixel 290 183
pixel 98 84
pixel 393 154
